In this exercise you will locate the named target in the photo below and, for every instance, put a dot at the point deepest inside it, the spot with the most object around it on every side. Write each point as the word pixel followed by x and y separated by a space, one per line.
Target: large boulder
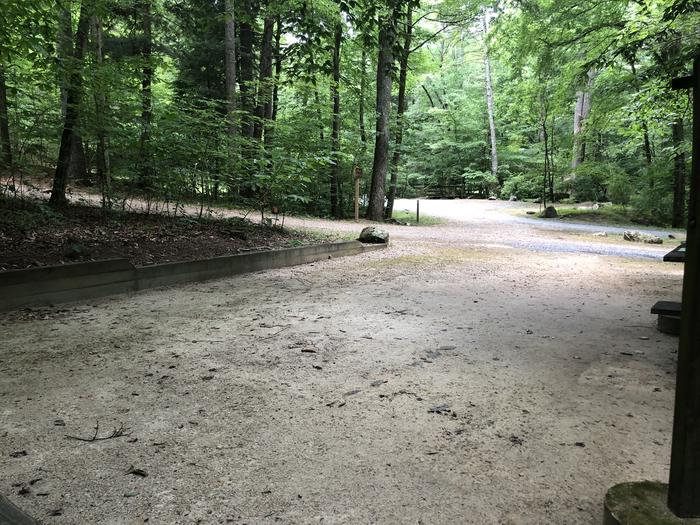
pixel 635 236
pixel 374 235
pixel 550 212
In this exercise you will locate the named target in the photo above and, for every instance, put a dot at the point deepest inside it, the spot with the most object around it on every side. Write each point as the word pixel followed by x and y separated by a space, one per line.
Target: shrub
pixel 653 200
pixel 590 182
pixel 523 186
pixel 620 189
pixel 483 182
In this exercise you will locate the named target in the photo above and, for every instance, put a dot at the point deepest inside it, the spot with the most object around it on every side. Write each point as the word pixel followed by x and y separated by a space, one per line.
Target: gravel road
pixel 484 371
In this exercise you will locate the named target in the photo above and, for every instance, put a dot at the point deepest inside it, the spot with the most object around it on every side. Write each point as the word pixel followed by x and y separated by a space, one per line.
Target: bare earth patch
pixel 452 378
pixel 34 234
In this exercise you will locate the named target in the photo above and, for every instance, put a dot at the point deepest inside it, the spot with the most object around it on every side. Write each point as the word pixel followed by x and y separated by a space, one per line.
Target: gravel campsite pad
pixel 455 377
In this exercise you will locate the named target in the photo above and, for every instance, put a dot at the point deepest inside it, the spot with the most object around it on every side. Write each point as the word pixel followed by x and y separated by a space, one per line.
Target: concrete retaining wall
pixel 72 282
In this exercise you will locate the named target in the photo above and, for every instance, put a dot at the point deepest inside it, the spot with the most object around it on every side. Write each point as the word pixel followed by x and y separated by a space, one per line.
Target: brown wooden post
pixel 417 211
pixel 684 481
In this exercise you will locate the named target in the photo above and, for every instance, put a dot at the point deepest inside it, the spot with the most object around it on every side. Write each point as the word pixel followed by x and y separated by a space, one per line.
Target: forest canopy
pixel 273 103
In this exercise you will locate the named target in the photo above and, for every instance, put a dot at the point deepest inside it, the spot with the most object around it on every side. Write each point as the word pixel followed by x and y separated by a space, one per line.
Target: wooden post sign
pixel 684 480
pixel 357 177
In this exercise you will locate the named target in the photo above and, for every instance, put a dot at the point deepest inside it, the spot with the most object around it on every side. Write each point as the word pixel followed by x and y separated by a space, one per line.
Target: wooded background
pixel 273 102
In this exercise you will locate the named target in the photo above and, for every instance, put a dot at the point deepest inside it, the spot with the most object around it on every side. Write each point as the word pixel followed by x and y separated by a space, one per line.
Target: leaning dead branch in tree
pixel 117 432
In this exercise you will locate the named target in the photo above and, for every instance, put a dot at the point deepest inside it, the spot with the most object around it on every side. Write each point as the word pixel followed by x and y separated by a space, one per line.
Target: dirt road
pixel 475 372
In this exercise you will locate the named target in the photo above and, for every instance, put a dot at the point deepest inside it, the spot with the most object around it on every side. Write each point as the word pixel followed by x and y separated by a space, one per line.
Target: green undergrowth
pixel 608 214
pixel 410 218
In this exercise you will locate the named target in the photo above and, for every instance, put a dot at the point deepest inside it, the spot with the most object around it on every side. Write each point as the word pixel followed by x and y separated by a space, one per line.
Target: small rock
pixel 492 198
pixel 513 198
pixel 580 444
pixel 18 454
pixel 632 236
pixel 652 239
pixel 600 234
pixel 374 235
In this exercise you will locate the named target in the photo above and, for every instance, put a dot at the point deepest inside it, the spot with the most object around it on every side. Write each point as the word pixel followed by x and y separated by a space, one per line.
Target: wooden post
pixel 684 480
pixel 358 176
pixel 417 211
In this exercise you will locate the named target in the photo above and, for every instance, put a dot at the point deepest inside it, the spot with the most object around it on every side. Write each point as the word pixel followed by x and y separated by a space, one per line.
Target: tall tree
pixel 678 212
pixel 278 69
pixel 5 143
pixel 73 101
pixel 77 169
pixel 401 109
pixel 385 64
pixel 230 65
pixel 581 113
pixel 489 98
pixel 336 208
pixel 100 97
pixel 246 62
pixel 363 89
pixel 263 111
pixel 145 9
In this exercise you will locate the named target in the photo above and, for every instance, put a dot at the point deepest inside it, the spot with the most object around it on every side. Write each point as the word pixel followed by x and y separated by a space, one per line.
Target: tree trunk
pixel 363 88
pixel 246 39
pixel 546 186
pixel 64 51
pixel 647 144
pixel 489 100
pixel 398 136
pixel 645 129
pixel 4 123
pixel 264 106
pixel 73 97
pixel 385 62
pixel 678 218
pixel 278 70
pixel 581 114
pixel 102 160
pixel 427 94
pixel 146 95
pixel 319 115
pixel 336 210
pixel 230 66
pixel 77 164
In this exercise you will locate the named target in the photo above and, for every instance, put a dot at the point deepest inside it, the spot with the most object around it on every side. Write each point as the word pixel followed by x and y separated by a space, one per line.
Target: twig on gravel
pixel 117 432
pixel 276 333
